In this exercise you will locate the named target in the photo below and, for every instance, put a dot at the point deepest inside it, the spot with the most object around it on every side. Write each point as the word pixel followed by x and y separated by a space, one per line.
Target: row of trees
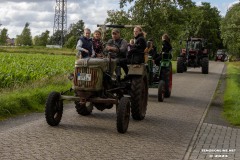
pixel 179 18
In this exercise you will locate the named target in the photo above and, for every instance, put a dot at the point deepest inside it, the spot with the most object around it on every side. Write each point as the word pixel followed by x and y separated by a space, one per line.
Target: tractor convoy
pixel 95 84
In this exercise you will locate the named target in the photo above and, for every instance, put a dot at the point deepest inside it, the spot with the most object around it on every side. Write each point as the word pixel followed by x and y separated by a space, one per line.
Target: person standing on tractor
pixel 166 48
pixel 136 54
pixel 84 45
pixel 97 44
pixel 121 51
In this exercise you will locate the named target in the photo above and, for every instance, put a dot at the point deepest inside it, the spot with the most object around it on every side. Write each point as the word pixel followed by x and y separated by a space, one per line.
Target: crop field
pixel 17 69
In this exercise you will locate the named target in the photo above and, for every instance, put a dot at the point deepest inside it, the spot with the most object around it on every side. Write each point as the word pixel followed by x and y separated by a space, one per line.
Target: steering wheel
pixel 106 52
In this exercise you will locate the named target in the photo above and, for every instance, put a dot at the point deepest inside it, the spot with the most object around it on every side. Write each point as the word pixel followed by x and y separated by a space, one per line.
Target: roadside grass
pixel 174 66
pixel 31 97
pixel 232 94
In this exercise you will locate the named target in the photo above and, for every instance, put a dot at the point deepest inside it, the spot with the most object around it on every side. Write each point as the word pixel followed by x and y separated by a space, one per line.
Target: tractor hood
pixel 103 63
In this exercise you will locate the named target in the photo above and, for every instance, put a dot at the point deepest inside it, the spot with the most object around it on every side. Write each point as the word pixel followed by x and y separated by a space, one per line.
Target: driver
pixel 121 51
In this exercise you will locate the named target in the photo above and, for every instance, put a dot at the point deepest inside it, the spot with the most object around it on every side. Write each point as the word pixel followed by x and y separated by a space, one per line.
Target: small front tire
pixel 54 109
pixel 161 91
pixel 123 114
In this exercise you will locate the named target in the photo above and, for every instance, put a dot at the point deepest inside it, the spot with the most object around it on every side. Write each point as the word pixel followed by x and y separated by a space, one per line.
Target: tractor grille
pixel 91 82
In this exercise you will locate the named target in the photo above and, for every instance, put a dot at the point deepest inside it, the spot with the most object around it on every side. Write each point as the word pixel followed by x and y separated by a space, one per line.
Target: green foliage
pixel 230 30
pixel 71 43
pixel 18 69
pixel 3 36
pixel 42 39
pixel 180 19
pixel 25 38
pixel 231 94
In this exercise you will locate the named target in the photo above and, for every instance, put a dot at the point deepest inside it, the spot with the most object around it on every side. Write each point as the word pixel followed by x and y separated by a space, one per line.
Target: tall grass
pixel 31 97
pixel 232 93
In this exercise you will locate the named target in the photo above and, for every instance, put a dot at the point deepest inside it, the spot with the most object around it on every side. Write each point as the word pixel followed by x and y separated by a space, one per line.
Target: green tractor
pixel 95 85
pixel 161 76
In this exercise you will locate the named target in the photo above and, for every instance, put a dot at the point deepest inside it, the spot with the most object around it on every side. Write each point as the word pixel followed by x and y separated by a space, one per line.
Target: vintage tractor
pixel 194 55
pixel 161 76
pixel 95 85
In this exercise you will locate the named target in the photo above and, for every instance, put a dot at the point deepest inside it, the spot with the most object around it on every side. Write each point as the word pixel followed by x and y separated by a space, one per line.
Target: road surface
pixel 165 134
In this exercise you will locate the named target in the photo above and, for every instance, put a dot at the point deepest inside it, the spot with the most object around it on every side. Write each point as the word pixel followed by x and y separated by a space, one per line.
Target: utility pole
pixel 60 20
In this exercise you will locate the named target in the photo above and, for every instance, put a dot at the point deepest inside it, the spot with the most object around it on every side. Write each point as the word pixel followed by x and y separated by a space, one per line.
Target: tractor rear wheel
pixel 83 109
pixel 54 109
pixel 180 65
pixel 139 97
pixel 123 114
pixel 205 64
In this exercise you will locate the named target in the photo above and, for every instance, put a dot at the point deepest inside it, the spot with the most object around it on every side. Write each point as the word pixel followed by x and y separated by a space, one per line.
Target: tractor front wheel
pixel 161 91
pixel 168 83
pixel 205 63
pixel 180 65
pixel 123 114
pixel 54 109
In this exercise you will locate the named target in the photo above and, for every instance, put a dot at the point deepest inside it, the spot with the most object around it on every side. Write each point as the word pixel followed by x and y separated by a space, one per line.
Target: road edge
pixel 194 138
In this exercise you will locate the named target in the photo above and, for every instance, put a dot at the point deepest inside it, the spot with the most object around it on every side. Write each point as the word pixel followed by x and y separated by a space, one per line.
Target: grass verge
pixel 30 98
pixel 232 94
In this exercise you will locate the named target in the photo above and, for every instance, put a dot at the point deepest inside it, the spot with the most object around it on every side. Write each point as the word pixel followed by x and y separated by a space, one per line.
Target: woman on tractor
pixel 166 48
pixel 97 44
pixel 136 54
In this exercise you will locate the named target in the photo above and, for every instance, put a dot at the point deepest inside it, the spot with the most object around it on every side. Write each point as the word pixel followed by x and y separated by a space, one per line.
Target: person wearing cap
pixel 121 51
pixel 84 45
pixel 136 54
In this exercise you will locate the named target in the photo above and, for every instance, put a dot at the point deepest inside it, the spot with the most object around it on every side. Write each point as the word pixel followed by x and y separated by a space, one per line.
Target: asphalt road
pixel 165 133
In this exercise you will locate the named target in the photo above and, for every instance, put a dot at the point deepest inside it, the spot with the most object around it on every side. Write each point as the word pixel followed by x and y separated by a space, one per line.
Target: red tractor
pixel 194 55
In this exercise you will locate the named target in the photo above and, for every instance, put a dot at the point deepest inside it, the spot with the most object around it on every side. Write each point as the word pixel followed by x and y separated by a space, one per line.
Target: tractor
pixel 161 76
pixel 194 55
pixel 95 84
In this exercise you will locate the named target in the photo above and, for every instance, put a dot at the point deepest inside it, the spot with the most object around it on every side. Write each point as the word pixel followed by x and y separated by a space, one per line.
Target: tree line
pixel 180 19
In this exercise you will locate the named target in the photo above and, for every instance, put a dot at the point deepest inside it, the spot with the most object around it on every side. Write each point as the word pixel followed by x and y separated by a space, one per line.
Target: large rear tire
pixel 180 65
pixel 84 109
pixel 139 97
pixel 161 91
pixel 205 64
pixel 123 114
pixel 54 109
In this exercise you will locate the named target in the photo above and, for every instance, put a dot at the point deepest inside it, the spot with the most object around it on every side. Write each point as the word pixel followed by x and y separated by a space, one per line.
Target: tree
pixel 180 19
pixel 42 39
pixel 230 29
pixel 3 36
pixel 74 32
pixel 25 38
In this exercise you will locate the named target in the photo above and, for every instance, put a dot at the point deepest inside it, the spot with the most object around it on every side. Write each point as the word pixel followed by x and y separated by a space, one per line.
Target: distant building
pixel 10 41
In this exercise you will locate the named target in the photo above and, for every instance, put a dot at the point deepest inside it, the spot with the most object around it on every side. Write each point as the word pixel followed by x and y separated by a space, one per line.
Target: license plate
pixel 84 77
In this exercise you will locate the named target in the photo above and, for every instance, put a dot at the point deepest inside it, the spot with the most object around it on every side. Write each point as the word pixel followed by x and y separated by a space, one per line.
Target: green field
pixel 232 94
pixel 26 79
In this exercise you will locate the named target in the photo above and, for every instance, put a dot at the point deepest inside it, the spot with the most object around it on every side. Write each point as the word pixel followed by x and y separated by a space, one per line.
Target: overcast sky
pixel 40 13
